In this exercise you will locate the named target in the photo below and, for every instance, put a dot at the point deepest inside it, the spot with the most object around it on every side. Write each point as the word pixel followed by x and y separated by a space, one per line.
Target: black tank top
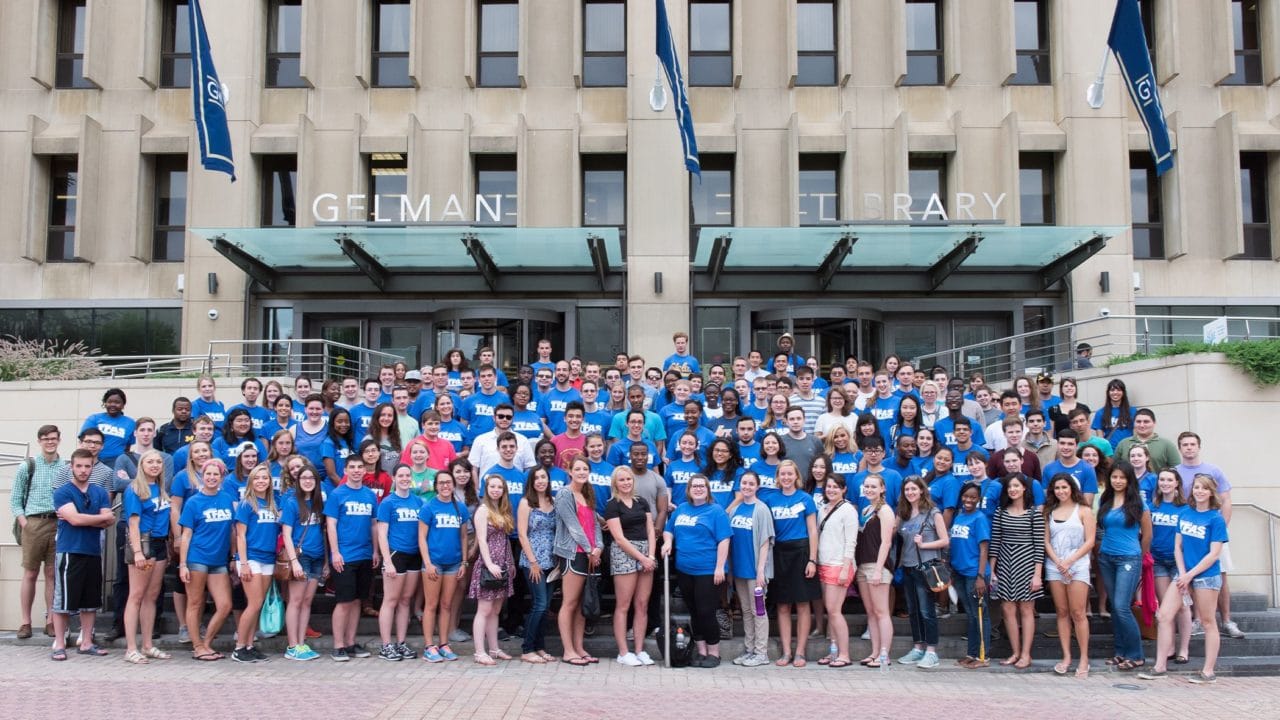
pixel 869 541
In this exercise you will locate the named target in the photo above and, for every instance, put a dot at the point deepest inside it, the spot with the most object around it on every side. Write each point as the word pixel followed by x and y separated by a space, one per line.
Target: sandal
pixel 1023 663
pixel 591 659
pixel 156 653
pixel 136 658
pixel 546 656
pixel 799 662
pixel 1061 668
pixel 977 664
pixel 499 655
pixel 867 660
pixel 826 660
pixel 1128 665
pixel 1180 659
pixel 873 664
pixel 59 655
pixel 206 657
pixel 783 661
pixel 1010 661
pixel 1117 660
pixel 92 650
pixel 484 659
pixel 575 661
pixel 533 659
pixel 839 663
pixel 1082 670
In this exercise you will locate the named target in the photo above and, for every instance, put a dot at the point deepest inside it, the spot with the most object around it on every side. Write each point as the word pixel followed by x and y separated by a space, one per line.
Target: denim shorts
pixel 312 567
pixel 1213 582
pixel 207 569
pixel 1166 568
pixel 450 569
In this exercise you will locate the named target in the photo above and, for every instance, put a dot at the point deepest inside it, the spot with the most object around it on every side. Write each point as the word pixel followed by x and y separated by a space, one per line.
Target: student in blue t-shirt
pixel 302 527
pixel 251 389
pixel 397 531
pixel 680 360
pixel 1114 420
pixel 208 518
pixel 115 426
pixel 1125 524
pixel 600 470
pixel 795 560
pixel 1202 533
pixel 84 511
pixel 146 510
pixel 206 404
pixel 698 532
pixel 970 535
pixel 442 536
pixel 281 418
pixel 751 564
pixel 257 536
pixel 944 486
pixel 339 444
pixel 235 434
pixel 1069 462
pixel 723 469
pixel 349 514
pixel 682 468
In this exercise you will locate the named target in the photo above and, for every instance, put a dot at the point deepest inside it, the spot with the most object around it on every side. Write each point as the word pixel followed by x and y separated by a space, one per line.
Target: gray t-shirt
pixel 649 486
pixel 802 451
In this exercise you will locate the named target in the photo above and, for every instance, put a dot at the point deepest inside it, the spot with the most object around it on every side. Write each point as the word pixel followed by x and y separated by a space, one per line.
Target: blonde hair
pixel 500 509
pixel 1215 500
pixel 248 487
pixel 613 479
pixel 141 487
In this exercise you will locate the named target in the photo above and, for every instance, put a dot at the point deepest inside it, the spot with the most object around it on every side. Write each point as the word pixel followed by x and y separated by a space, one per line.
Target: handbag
pixel 271 619
pixel 26 495
pixel 937 575
pixel 591 597
pixel 284 564
pixel 489 581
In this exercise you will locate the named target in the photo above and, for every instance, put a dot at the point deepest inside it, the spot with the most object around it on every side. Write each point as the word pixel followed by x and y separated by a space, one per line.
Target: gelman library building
pixel 877 176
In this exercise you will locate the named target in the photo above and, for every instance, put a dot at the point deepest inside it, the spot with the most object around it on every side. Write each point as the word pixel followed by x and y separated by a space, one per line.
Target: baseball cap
pixel 413 376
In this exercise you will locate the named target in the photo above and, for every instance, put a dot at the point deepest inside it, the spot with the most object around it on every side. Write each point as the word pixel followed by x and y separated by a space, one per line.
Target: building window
pixel 1147 11
pixel 927 180
pixel 1245 28
pixel 1035 188
pixel 924 42
pixel 712 199
pixel 1031 41
pixel 710 43
pixel 113 331
pixel 169 234
pixel 1253 200
pixel 599 332
pixel 391 22
pixel 284 44
pixel 819 200
pixel 64 188
pixel 816 43
pixel 279 185
pixel 388 182
pixel 604 191
pixel 1148 217
pixel 69 70
pixel 604 43
pixel 499 43
pixel 715 334
pixel 175 45
pixel 496 182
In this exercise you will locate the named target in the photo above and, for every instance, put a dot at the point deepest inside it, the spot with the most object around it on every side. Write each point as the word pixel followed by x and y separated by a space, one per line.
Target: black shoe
pixel 257 654
pixel 242 655
pixel 358 651
pixel 155 634
pixel 113 635
pixel 710 661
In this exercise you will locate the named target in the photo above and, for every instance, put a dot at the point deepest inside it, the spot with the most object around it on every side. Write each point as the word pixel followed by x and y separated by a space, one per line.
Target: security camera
pixel 213 313
pixel 1105 312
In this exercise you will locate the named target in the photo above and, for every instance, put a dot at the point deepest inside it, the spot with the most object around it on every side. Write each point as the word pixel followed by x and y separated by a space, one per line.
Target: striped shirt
pixel 40 500
pixel 101 475
pixel 813 407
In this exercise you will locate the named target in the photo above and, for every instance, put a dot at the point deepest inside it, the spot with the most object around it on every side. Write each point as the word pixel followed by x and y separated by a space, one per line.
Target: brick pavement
pixel 108 688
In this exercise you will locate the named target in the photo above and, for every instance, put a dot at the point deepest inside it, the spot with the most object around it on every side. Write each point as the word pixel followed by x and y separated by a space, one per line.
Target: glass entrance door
pixel 829 334
pixel 513 333
pixel 343 338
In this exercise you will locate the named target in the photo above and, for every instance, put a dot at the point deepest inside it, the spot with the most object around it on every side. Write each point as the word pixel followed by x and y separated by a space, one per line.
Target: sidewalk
pixel 34 687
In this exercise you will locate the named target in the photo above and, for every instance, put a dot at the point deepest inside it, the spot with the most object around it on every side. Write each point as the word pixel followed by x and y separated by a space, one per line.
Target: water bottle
pixel 681 641
pixel 759 593
pixel 883 660
pixel 832 650
pixel 1186 599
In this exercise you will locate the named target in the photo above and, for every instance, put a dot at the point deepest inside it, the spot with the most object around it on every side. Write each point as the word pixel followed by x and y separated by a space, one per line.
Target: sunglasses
pixel 503 416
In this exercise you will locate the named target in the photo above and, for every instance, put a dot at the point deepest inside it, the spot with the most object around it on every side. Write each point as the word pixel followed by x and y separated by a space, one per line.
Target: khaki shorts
pixel 867 570
pixel 38 542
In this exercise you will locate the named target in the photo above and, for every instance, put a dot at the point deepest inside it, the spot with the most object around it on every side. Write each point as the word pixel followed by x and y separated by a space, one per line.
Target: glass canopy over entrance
pixel 892 259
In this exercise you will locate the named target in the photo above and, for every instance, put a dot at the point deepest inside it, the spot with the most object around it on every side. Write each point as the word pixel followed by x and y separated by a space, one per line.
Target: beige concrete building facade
pixel 843 103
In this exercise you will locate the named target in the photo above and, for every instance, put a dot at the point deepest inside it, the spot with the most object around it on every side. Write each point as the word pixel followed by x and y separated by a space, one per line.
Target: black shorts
pixel 77 583
pixel 405 562
pixel 354 581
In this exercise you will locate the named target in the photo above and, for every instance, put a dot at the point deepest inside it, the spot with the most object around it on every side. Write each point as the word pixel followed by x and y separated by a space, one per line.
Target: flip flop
pixel 92 650
pixel 58 655
pixel 839 663
pixel 1180 659
pixel 867 660
pixel 1061 668
pixel 872 664
pixel 206 657
pixel 799 662
pixel 574 661
pixel 826 660
pixel 783 661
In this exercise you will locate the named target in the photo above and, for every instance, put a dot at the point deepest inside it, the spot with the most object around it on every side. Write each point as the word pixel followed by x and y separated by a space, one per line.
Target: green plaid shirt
pixel 41 498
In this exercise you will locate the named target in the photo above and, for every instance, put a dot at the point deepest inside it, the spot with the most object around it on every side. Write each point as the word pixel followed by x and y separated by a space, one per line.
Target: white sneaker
pixel 866 634
pixel 756 660
pixel 630 660
pixel 741 658
pixel 1196 628
pixel 644 658
pixel 930 660
pixel 1232 630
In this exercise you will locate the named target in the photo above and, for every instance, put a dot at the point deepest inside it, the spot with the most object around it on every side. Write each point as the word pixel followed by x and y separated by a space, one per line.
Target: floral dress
pixel 500 554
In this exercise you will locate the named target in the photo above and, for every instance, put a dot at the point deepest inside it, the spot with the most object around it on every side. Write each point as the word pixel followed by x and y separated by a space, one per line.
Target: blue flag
pixel 1130 46
pixel 671 65
pixel 207 96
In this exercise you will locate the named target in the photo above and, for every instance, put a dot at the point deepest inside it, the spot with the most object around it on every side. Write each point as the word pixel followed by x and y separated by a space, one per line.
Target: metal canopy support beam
pixel 252 266
pixel 484 262
pixel 363 260
pixel 599 257
pixel 831 265
pixel 719 253
pixel 950 262
pixel 1060 268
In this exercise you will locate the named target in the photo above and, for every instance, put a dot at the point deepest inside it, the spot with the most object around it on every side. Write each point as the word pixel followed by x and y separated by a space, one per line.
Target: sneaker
pixel 293 653
pixel 457 635
pixel 405 651
pixel 358 651
pixel 447 653
pixel 1232 630
pixel 710 661
pixel 1202 679
pixel 242 655
pixel 630 660
pixel 184 635
pixel 307 653
pixel 1152 675
pixel 930 660
pixel 741 658
pixel 257 654
pixel 644 658
pixel 866 634
pixel 340 655
pixel 911 658
pixel 755 660
pixel 1196 628
pixel 389 652
pixel 432 654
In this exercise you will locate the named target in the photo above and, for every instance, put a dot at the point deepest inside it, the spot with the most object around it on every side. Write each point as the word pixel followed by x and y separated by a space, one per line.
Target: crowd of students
pixel 764 482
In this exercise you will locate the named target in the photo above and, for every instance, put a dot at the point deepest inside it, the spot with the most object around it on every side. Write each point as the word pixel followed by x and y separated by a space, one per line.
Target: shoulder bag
pixel 26 495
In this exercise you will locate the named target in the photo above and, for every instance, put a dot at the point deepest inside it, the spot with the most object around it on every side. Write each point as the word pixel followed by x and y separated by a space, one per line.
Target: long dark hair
pixel 1132 497
pixel 392 433
pixel 1051 499
pixel 866 419
pixel 459 466
pixel 530 494
pixel 897 418
pixel 905 507
pixel 229 434
pixel 731 467
pixel 1028 498
pixel 349 437
pixel 1125 416
pixel 310 506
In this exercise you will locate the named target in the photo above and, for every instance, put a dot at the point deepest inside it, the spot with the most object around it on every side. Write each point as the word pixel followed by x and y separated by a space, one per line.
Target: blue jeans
pixel 1120 575
pixel 964 588
pixel 535 638
pixel 920 608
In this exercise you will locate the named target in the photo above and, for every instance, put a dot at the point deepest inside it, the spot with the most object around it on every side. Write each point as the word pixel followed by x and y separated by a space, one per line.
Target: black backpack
pixel 680 657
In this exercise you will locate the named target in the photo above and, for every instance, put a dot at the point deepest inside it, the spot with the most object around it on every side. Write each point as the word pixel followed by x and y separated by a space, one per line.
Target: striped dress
pixel 1017 544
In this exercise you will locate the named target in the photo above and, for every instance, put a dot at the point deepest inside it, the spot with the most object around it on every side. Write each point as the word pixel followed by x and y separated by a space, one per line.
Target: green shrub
pixel 1259 359
pixel 46 360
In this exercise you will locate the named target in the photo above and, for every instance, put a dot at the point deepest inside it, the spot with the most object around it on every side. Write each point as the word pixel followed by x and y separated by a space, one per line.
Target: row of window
pixel 604 43
pixel 604 196
pixel 113 331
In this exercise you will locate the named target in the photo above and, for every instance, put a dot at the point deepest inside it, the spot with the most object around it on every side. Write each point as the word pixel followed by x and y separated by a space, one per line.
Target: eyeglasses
pixel 503 416
pixel 87 441
pixel 50 438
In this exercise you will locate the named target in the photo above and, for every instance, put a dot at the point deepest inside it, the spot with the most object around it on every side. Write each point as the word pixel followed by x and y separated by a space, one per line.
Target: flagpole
pixel 1094 94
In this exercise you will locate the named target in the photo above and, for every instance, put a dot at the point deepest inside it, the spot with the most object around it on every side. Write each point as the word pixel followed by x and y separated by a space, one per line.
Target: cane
pixel 666 612
pixel 982 637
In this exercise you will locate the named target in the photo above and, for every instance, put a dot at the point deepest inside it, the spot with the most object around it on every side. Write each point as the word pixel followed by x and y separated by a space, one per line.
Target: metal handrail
pixel 314 356
pixel 1271 543
pixel 13 458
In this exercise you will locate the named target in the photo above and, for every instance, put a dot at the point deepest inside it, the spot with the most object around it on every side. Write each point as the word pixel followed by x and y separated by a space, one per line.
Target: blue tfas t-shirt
pixel 989 502
pixel 601 479
pixel 80 539
pixel 213 409
pixel 742 547
pixel 790 513
pixel 262 529
pixel 892 487
pixel 1119 537
pixel 117 434
pixel 210 518
pixel 443 521
pixel 678 474
pixel 723 486
pixel 944 490
pixel 1086 477
pixel 968 531
pixel 1199 530
pixel 307 535
pixel 153 513
pixel 401 516
pixel 696 531
pixel 354 511
pixel 845 464
pixel 1164 528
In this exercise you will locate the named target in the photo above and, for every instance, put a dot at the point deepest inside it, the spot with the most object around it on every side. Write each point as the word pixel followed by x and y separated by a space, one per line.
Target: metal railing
pixel 1054 349
pixel 312 357
pixel 13 452
pixel 1271 545
pixel 143 366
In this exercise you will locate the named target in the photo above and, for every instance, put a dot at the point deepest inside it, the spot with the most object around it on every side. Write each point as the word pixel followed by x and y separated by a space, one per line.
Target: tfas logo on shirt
pixel 686 521
pixel 960 532
pixel 445 520
pixel 742 522
pixel 358 508
pixel 1192 530
pixel 217 515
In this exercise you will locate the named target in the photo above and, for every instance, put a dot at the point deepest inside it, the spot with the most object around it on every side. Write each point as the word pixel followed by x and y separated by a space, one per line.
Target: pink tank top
pixel 587 519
